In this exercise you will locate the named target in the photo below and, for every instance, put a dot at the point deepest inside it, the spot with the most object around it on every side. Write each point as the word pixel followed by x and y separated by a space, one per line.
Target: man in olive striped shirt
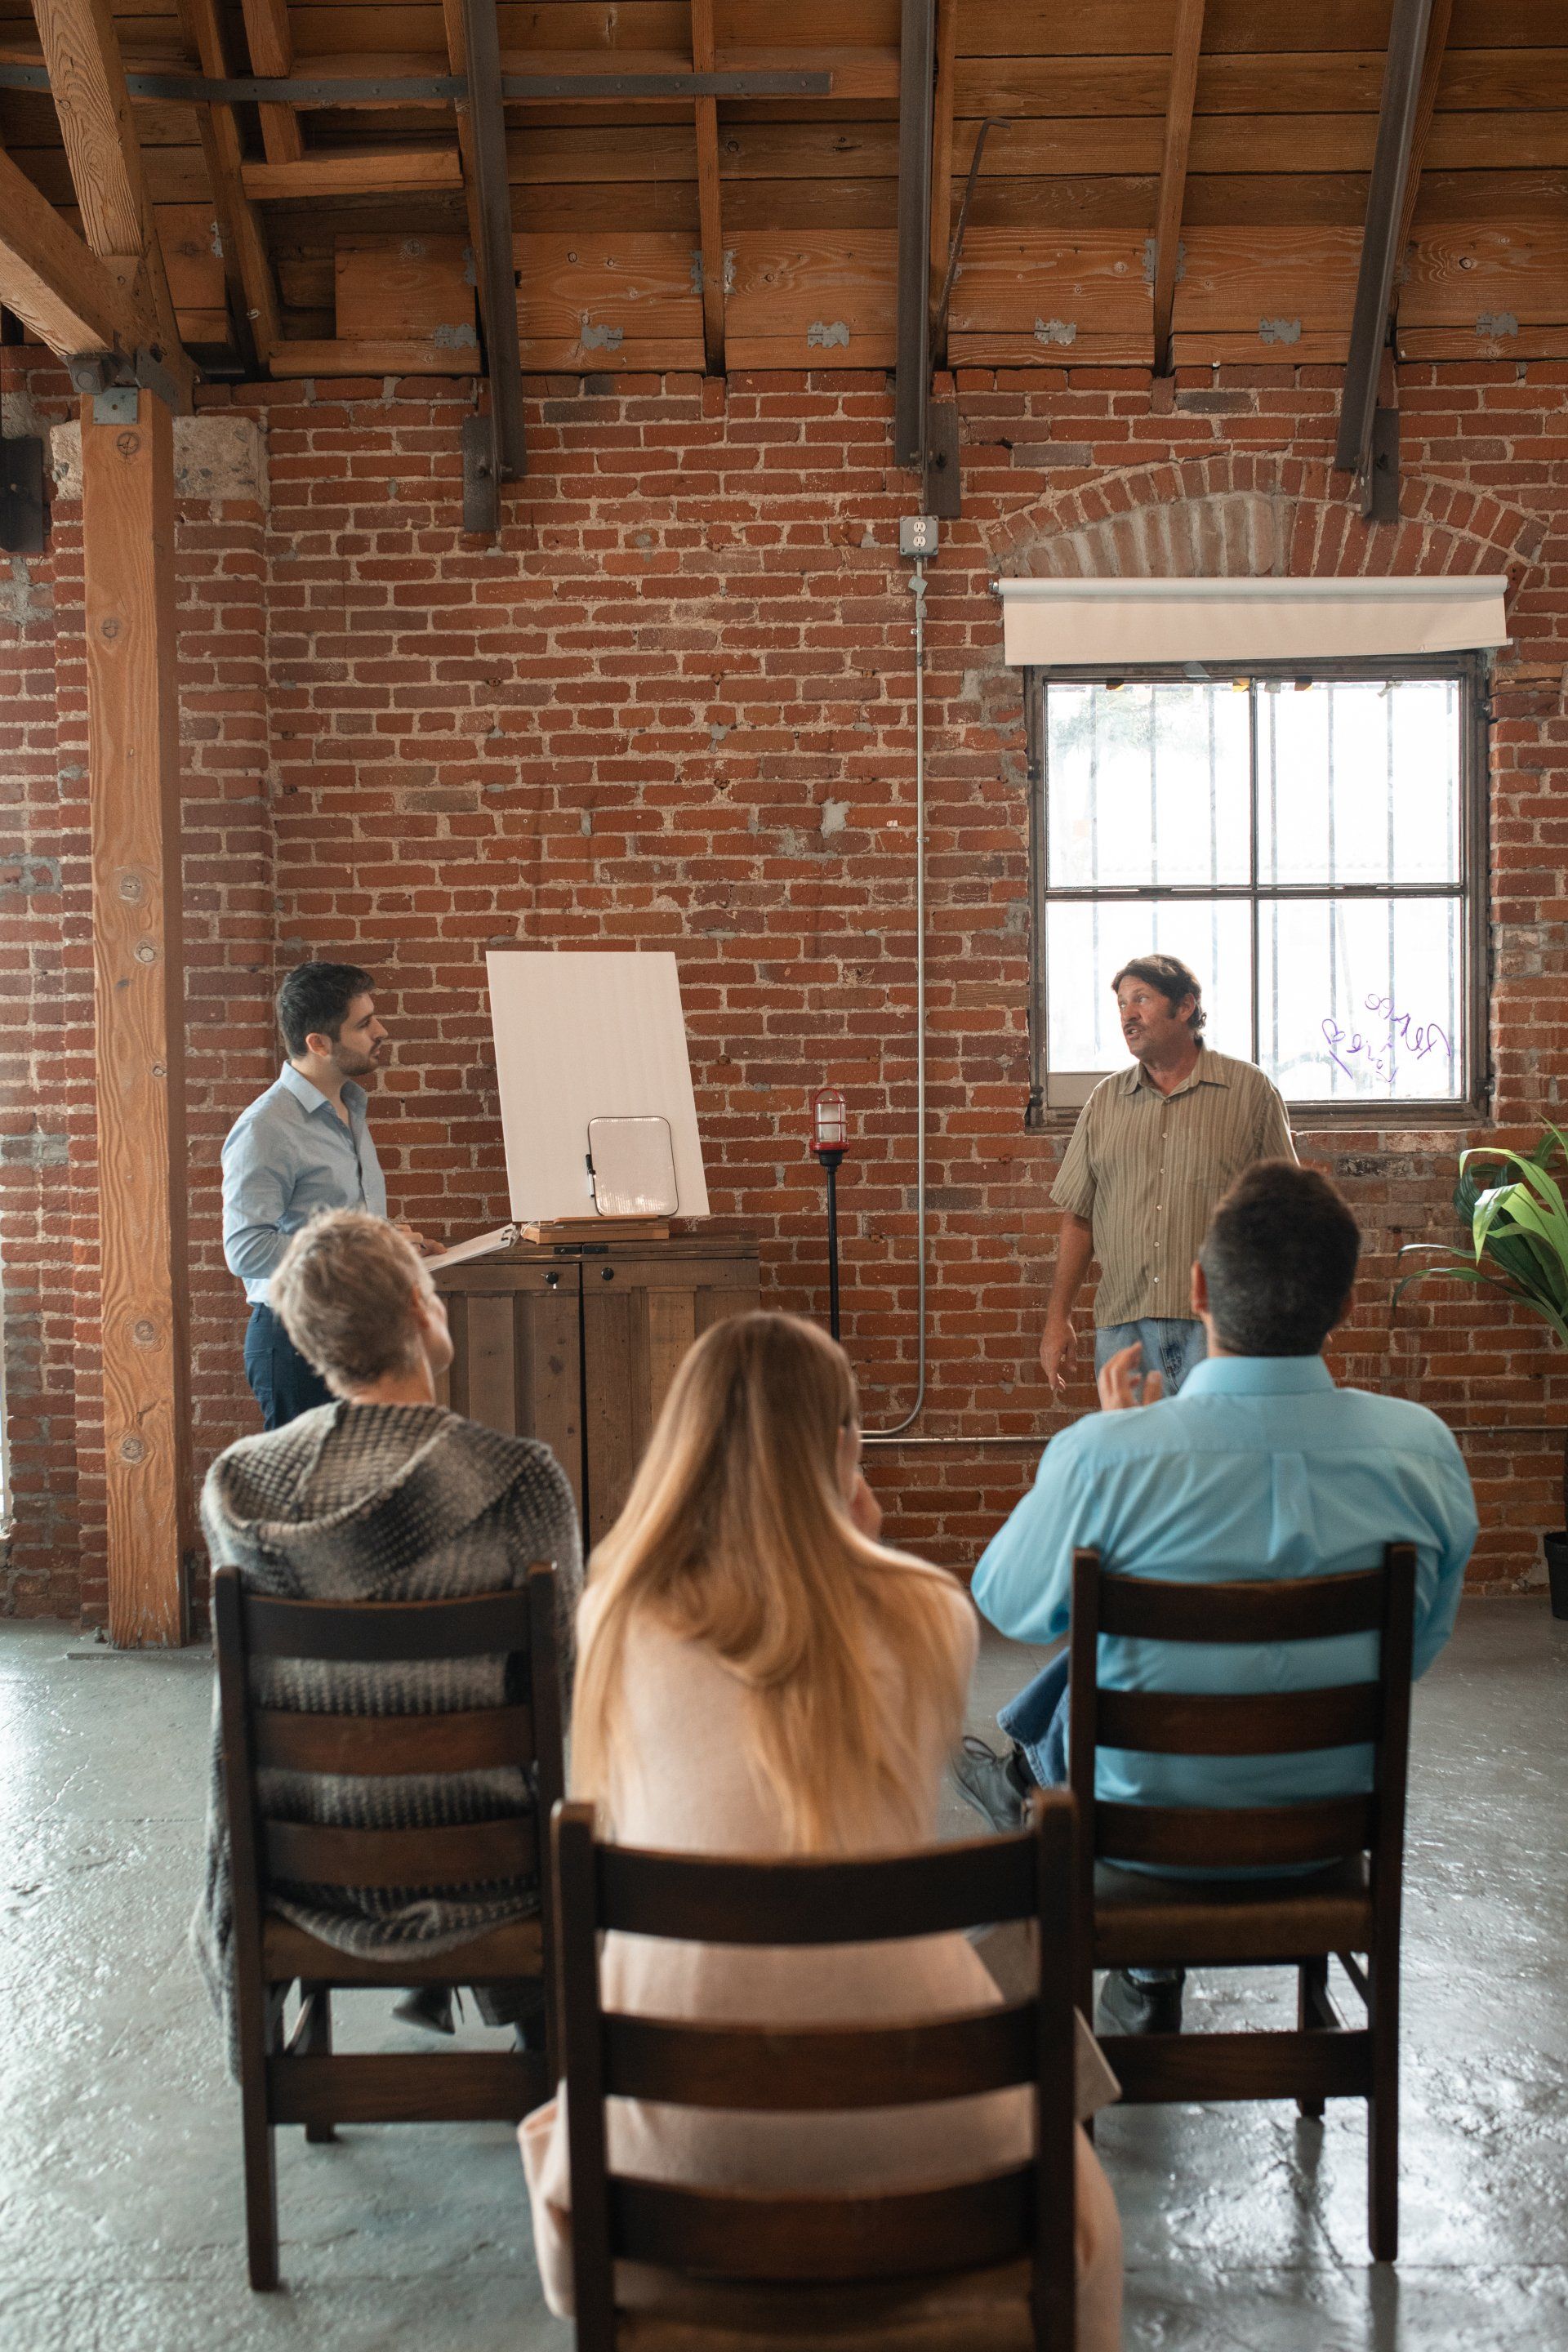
pixel 1154 1149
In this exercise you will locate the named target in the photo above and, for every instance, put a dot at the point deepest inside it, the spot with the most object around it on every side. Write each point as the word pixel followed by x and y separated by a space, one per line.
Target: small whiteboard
pixel 583 1037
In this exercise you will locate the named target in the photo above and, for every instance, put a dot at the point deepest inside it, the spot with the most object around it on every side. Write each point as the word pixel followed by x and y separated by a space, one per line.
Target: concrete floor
pixel 120 2180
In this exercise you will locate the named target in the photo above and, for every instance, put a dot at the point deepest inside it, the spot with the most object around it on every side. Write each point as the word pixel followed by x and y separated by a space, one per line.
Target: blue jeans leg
pixel 1171 1346
pixel 1038 1720
pixel 283 1384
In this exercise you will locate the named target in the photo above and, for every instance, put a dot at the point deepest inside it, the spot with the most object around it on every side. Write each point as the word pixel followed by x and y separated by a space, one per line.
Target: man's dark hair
pixel 1279 1258
pixel 315 999
pixel 1173 977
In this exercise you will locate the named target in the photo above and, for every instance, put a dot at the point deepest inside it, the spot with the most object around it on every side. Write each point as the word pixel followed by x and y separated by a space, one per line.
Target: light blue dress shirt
pixel 287 1156
pixel 1259 1467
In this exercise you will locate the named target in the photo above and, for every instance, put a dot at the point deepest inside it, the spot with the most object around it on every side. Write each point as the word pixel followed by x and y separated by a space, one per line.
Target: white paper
pixel 481 1245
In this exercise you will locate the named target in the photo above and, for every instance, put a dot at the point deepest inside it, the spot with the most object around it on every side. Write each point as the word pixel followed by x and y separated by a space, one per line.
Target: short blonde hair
pixel 345 1290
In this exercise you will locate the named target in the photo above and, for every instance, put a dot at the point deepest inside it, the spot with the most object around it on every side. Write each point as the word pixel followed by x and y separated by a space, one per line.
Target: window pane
pixel 1360 1001
pixel 1359 782
pixel 1086 944
pixel 1147 783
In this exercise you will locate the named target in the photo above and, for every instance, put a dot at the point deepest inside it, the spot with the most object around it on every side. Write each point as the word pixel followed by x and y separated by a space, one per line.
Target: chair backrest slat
pixel 1273 1723
pixel 802 2245
pixel 1293 1609
pixel 376 1631
pixel 474 1854
pixel 784 2070
pixel 807 1902
pixel 1251 1837
pixel 1270 1722
pixel 378 1745
pixel 752 2237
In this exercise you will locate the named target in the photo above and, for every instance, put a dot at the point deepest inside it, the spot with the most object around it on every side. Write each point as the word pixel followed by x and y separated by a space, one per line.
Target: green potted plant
pixel 1519 1232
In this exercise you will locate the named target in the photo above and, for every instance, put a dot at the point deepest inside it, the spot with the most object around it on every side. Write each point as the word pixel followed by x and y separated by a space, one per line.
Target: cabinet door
pixel 639 1316
pixel 516 1354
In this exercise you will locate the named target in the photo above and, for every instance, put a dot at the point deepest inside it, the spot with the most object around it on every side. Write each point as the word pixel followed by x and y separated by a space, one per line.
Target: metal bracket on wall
pixel 482 477
pixel 1380 483
pixel 943 488
pixel 22 495
pixel 95 374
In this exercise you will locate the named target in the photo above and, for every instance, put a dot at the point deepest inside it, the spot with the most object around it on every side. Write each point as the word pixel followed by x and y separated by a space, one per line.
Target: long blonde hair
pixel 736 1536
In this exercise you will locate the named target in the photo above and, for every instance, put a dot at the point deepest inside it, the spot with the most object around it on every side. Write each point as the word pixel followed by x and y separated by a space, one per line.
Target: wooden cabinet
pixel 578 1346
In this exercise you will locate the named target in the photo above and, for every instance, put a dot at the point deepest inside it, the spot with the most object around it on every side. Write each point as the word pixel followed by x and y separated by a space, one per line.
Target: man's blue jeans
pixel 1171 1346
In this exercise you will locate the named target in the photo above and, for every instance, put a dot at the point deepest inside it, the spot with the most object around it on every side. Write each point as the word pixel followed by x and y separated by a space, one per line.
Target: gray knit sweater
pixel 379 1502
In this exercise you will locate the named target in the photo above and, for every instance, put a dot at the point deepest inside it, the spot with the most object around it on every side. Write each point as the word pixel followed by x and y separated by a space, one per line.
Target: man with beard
pixel 1155 1149
pixel 303 1147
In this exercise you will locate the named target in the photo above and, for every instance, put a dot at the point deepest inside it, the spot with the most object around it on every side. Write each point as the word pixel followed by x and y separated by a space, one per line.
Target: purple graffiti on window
pixel 1389 1029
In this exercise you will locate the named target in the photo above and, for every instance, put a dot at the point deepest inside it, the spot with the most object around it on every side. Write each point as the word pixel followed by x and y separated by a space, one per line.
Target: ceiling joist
pixel 272 52
pixel 485 158
pixel 253 292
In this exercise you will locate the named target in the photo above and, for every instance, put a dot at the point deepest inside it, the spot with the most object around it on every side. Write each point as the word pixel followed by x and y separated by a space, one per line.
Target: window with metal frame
pixel 1311 842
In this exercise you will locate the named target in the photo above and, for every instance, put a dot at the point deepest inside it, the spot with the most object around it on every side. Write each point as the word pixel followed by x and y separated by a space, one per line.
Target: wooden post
pixel 128 493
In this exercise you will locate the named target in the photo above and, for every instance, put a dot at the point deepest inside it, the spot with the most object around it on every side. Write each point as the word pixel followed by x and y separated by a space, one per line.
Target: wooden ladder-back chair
pixel 1349 1904
pixel 305 2082
pixel 667 2265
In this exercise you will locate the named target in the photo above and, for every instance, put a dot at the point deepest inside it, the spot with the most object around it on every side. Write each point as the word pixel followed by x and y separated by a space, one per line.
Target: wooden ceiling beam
pixel 355 171
pixel 87 81
pixel 56 284
pixel 941 170
pixel 710 207
pixel 1185 47
pixel 1380 238
pixel 247 267
pixel 485 160
pixel 917 70
pixel 272 52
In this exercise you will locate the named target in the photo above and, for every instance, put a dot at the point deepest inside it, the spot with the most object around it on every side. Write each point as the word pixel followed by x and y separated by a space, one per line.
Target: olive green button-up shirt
pixel 1146 1170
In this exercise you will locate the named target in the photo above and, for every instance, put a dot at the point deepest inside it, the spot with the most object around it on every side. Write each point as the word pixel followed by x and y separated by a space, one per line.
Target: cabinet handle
pixel 551 1280
pixel 606 1274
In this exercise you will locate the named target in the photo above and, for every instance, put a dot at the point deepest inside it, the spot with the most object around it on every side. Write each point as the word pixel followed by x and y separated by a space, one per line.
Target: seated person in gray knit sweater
pixel 382 1496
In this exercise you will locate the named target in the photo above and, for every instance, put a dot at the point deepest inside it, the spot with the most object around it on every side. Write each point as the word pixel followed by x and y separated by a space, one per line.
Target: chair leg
pixel 314 2039
pixel 1311 1985
pixel 1382 2113
pixel 260 2189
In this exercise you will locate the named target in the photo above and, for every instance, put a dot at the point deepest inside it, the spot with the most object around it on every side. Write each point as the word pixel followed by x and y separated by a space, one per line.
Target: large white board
pixel 581 1038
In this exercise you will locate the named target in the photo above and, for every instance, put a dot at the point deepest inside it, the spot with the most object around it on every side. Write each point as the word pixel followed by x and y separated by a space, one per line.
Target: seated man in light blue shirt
pixel 1260 1468
pixel 303 1146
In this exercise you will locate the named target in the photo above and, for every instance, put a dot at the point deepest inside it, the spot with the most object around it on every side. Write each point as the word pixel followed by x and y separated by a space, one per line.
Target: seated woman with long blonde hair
pixel 758 1674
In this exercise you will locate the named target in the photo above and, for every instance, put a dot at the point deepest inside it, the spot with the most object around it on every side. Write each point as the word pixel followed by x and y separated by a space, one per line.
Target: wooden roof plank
pixel 364 171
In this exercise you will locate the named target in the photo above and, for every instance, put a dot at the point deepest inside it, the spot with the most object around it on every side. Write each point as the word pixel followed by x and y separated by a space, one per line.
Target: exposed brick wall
pixel 673 707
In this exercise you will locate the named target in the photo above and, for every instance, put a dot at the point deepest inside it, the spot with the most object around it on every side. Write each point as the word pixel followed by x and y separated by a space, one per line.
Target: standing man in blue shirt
pixel 304 1146
pixel 1260 1468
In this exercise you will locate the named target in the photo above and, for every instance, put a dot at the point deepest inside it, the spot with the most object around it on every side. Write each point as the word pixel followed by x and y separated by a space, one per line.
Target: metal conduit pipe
pixel 918 591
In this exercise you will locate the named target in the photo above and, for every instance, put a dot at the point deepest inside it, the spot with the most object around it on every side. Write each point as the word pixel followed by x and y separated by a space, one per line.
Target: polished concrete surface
pixel 120 2181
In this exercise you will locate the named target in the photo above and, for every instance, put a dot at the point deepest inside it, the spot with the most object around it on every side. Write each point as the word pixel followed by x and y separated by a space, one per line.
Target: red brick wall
pixel 673 707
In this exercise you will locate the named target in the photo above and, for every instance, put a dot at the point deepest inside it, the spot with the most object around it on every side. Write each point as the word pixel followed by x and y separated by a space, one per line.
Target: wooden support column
pixel 128 529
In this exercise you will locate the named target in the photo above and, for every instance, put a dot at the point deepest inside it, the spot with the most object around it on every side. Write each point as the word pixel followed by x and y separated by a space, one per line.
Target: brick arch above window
pixel 1236 516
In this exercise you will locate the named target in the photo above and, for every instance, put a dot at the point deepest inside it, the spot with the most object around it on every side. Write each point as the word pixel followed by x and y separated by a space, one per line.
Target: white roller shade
pixel 1096 623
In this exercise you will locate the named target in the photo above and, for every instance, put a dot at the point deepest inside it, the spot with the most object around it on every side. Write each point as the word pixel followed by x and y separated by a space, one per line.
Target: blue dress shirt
pixel 1259 1467
pixel 287 1156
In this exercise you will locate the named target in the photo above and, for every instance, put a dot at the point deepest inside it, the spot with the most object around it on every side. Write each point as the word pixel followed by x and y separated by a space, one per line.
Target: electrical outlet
pixel 917 534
